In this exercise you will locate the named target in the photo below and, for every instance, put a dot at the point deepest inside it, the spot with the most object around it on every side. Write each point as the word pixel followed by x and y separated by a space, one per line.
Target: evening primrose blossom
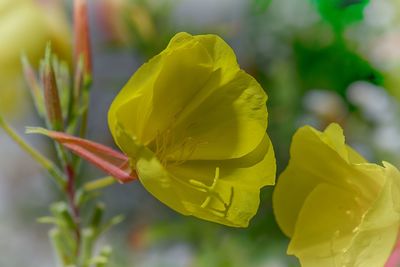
pixel 193 125
pixel 25 28
pixel 338 209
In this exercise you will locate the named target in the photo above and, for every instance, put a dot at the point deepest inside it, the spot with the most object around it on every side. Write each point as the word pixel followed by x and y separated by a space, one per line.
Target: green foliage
pixel 261 5
pixel 64 232
pixel 332 67
pixel 62 101
pixel 341 13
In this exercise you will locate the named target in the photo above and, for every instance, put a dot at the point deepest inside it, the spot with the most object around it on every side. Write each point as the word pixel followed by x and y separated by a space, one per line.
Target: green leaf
pixel 64 218
pixel 110 223
pixel 261 5
pixel 32 81
pixel 88 239
pixel 82 196
pixel 103 258
pixel 341 13
pixel 332 67
pixel 37 156
pixel 97 215
pixel 99 183
pixel 47 220
pixel 59 246
pixel 62 75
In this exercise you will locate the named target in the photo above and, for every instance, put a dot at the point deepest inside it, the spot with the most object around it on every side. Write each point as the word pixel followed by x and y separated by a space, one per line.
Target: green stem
pixel 84 119
pixel 85 95
pixel 88 238
pixel 70 191
pixel 57 242
pixel 38 157
pixel 99 183
pixel 103 258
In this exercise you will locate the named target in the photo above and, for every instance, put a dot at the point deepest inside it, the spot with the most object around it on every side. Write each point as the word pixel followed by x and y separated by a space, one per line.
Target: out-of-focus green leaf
pixel 332 67
pixel 340 13
pixel 261 5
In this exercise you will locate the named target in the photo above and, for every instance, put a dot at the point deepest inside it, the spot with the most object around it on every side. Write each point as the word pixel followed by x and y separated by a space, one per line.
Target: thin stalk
pixel 85 95
pixel 99 183
pixel 84 120
pixel 71 192
pixel 53 170
pixel 87 246
pixel 57 242
pixel 71 169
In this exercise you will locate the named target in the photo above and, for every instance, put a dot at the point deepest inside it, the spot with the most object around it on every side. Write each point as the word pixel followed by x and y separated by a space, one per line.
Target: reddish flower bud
pixel 105 158
pixel 82 35
pixel 51 97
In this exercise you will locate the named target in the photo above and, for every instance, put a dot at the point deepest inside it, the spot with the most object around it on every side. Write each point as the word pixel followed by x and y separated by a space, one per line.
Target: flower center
pixel 171 150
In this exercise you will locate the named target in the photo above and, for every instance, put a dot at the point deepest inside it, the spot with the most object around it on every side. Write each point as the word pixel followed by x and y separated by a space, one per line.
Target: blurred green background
pixel 319 61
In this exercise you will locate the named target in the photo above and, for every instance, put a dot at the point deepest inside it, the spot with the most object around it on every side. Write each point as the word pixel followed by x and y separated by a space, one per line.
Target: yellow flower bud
pixel 194 127
pixel 338 209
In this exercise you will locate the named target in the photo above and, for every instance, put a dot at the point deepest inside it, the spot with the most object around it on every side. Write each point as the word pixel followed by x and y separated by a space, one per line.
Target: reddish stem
pixel 74 208
pixel 105 158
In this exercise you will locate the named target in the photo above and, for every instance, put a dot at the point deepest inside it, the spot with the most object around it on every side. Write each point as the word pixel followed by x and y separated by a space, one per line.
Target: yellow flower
pixel 26 27
pixel 338 209
pixel 193 125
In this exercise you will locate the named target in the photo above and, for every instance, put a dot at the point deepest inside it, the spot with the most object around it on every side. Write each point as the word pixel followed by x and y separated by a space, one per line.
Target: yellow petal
pixel 24 28
pixel 314 160
pixel 354 157
pixel 160 89
pixel 183 75
pixel 377 234
pixel 194 91
pixel 338 209
pixel 224 191
pixel 193 125
pixel 333 137
pixel 138 92
pixel 224 121
pixel 325 224
pixel 339 239
pixel 221 53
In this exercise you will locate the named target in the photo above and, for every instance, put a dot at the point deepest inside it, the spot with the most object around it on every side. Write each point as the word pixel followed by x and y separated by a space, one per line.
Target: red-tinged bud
pixel 78 80
pixel 105 158
pixel 51 97
pixel 82 36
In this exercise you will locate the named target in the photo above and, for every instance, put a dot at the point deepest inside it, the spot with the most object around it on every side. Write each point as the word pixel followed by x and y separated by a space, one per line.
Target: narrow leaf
pixel 33 83
pixel 99 183
pixel 47 164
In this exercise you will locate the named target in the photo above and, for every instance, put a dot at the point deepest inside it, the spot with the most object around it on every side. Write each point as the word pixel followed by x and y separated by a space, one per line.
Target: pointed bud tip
pixel 47 52
pixel 82 45
pixel 37 130
pixel 24 59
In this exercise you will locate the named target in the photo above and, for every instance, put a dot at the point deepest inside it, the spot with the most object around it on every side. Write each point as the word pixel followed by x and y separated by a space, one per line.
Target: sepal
pixel 105 158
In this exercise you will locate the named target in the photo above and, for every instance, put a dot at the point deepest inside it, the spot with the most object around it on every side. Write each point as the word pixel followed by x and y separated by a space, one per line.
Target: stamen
pixel 210 190
pixel 183 148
